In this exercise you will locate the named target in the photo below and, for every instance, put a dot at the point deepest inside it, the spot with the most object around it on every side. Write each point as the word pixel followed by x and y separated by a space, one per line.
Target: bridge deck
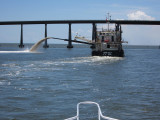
pixel 122 22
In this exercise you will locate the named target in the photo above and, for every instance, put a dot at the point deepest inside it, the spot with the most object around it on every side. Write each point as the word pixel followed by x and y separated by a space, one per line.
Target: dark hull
pixel 112 53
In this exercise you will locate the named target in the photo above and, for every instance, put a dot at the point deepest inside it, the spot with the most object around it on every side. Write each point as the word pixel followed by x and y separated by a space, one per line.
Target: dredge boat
pixel 108 42
pixel 105 42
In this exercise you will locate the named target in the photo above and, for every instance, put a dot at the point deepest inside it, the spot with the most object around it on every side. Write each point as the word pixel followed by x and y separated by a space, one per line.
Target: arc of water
pixel 36 45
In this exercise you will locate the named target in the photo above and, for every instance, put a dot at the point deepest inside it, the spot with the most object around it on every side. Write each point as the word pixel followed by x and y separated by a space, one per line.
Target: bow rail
pixel 100 115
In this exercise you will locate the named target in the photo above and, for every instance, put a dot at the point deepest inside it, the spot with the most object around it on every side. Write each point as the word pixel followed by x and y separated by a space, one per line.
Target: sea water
pixel 48 84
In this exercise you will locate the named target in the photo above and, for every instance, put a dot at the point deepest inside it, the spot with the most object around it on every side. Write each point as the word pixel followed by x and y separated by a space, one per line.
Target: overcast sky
pixel 17 10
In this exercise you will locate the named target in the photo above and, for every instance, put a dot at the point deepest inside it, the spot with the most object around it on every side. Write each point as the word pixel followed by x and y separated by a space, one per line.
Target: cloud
pixel 141 34
pixel 139 15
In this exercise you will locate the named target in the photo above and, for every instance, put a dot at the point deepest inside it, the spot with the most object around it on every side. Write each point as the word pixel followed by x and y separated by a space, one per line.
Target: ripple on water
pixel 4 82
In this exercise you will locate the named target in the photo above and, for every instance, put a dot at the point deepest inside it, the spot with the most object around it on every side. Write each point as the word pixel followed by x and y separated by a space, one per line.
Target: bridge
pixel 70 22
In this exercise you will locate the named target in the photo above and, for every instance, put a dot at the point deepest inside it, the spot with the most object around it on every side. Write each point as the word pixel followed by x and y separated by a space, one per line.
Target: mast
pixel 108 22
pixel 108 18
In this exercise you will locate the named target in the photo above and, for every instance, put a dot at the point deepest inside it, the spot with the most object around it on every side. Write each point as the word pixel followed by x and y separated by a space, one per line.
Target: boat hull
pixel 112 53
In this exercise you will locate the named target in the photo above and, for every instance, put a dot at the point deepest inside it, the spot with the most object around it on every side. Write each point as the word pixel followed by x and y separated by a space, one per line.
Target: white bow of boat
pixel 99 112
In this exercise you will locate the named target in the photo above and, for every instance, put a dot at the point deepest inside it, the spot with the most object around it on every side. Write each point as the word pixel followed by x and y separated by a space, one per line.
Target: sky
pixel 26 10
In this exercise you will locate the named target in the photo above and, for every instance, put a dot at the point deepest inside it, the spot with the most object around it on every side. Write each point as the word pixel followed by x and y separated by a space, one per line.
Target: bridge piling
pixel 93 31
pixel 70 37
pixel 21 38
pixel 93 34
pixel 45 44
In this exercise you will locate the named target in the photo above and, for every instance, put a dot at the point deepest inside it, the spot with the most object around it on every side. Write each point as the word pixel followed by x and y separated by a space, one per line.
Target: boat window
pixel 112 38
pixel 102 38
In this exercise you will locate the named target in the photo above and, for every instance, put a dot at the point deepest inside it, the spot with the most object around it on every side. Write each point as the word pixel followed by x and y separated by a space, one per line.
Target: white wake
pixel 25 51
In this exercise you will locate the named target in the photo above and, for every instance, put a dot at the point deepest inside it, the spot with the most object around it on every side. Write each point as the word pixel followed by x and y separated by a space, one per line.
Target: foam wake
pixel 25 51
pixel 33 48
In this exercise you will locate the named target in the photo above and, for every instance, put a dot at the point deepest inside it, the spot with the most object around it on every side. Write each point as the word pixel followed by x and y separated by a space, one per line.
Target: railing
pixel 99 112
